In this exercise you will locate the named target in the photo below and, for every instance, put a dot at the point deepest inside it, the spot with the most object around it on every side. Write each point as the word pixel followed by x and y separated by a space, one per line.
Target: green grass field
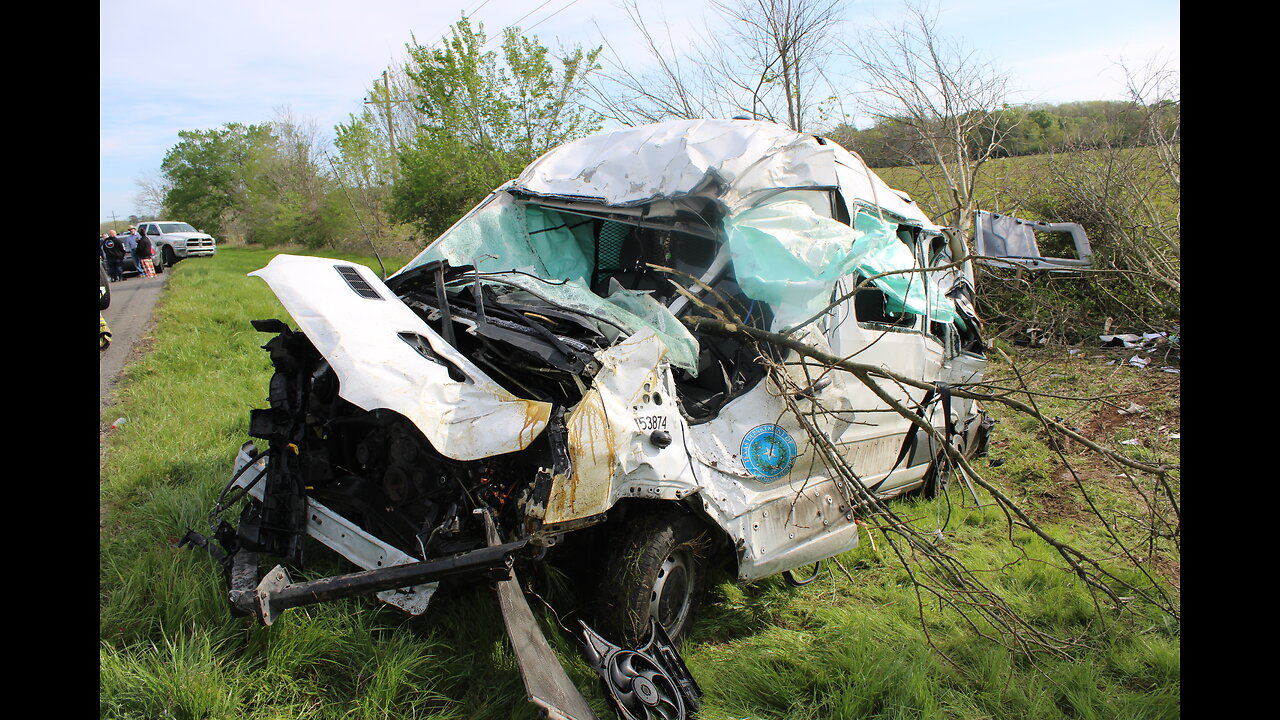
pixel 842 647
pixel 1006 185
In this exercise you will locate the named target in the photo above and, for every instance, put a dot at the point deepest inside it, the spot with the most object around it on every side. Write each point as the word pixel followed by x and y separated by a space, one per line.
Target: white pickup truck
pixel 176 240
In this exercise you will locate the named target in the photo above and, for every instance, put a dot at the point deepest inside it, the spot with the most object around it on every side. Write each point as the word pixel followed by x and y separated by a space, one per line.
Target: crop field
pixel 859 642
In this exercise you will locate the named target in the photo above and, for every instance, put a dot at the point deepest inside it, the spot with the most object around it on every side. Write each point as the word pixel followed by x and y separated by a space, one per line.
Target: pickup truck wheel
pixel 167 256
pixel 656 567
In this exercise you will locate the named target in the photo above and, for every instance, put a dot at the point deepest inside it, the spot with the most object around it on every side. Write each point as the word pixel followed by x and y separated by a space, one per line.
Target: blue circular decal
pixel 768 452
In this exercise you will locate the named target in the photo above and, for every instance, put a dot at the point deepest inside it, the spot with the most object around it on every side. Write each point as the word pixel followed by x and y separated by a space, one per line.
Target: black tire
pixel 167 256
pixel 656 566
pixel 104 302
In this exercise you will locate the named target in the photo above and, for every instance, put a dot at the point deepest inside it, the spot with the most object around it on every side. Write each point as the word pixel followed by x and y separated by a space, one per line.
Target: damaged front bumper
pixel 640 683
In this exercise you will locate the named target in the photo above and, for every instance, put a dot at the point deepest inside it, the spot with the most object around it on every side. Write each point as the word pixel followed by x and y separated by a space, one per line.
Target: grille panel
pixel 357 283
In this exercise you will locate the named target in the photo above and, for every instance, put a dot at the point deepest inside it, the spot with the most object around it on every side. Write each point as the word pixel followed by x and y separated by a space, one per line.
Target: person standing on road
pixel 130 241
pixel 142 251
pixel 113 252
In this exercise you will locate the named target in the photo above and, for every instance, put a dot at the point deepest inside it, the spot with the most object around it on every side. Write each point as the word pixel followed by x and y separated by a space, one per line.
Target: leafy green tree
pixel 289 191
pixel 207 174
pixel 485 115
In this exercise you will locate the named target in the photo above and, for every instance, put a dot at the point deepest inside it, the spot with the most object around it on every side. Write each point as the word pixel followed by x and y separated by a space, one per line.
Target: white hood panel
pixel 359 338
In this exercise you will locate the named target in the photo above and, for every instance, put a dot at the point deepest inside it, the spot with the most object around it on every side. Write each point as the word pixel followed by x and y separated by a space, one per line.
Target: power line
pixel 544 4
pixel 514 24
pixel 566 7
pixel 467 14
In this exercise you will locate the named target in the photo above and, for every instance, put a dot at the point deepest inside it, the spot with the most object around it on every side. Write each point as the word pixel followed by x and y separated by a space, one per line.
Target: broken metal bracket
pixel 195 539
pixel 546 683
pixel 276 593
pixel 244 580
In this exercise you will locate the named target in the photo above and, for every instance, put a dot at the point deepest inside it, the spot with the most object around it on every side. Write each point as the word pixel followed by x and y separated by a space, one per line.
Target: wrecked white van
pixel 526 386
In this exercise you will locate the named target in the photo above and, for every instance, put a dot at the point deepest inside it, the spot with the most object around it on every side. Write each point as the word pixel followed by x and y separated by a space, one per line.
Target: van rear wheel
pixel 656 567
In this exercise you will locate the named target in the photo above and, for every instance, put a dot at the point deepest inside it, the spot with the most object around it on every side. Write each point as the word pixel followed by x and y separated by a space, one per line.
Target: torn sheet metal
pixel 626 436
pixel 766 485
pixel 1013 241
pixel 1129 340
pixel 355 322
pixel 1132 340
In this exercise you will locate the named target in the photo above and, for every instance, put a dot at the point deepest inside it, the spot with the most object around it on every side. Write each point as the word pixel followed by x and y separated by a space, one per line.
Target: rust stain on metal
pixel 536 417
pixel 593 448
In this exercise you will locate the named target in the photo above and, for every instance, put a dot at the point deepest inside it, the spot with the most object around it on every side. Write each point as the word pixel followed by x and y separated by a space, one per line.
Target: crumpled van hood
pixel 356 325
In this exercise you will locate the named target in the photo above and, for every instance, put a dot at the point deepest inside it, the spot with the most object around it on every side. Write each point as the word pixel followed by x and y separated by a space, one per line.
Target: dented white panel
pixel 797 516
pixel 359 338
pixel 611 434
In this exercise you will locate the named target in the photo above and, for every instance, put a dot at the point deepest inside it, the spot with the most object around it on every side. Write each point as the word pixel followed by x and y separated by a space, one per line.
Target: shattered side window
pixel 938 254
pixel 871 308
pixel 787 255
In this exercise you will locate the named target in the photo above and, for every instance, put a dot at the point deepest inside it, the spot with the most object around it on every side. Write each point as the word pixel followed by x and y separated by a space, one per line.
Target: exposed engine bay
pixel 376 467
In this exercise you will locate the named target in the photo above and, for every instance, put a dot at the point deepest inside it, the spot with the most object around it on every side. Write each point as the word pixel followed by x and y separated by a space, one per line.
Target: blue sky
pixel 168 66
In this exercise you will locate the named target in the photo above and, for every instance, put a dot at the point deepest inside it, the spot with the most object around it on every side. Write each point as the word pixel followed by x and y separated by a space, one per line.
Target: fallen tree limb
pixel 865 372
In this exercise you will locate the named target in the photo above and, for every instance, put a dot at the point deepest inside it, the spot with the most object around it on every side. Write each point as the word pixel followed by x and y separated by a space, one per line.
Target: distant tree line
pixel 1022 130
pixel 123 223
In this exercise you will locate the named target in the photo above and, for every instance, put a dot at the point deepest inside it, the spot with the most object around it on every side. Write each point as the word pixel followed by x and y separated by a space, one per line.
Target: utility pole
pixel 391 133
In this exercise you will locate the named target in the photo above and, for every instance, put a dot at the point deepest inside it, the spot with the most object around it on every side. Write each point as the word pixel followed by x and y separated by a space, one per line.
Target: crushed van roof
pixel 730 160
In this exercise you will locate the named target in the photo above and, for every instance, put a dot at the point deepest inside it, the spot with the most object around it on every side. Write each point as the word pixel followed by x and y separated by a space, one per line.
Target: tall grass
pixel 842 647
